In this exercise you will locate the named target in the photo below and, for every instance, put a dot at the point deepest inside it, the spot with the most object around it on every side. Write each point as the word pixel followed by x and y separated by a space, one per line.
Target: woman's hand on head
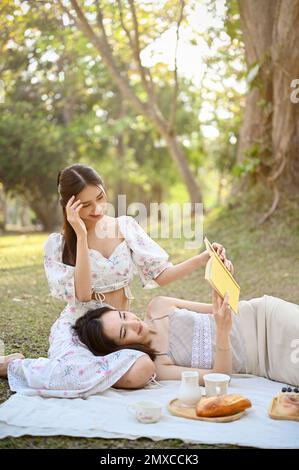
pixel 222 312
pixel 72 214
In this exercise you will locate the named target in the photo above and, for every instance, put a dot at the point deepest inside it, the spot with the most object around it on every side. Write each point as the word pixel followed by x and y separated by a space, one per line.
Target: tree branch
pixel 67 12
pixel 102 45
pixel 148 85
pixel 276 199
pixel 136 45
pixel 121 17
pixel 144 72
pixel 173 110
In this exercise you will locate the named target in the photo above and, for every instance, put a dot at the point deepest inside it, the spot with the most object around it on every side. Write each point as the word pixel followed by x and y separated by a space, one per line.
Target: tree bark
pixel 271 120
pixel 46 209
pixel 257 19
pixel 120 183
pixel 178 155
pixel 285 121
pixel 48 214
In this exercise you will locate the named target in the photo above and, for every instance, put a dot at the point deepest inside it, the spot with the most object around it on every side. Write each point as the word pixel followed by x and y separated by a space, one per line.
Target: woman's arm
pixel 82 275
pixel 223 355
pixel 138 375
pixel 161 304
pixel 174 372
pixel 180 270
pixel 222 364
pixel 166 370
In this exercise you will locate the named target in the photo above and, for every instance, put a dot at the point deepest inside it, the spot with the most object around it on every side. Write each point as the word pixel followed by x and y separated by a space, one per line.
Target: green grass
pixel 266 260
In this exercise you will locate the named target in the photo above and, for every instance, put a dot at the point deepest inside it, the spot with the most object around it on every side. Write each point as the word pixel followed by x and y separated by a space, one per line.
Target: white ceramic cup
pixel 146 411
pixel 216 384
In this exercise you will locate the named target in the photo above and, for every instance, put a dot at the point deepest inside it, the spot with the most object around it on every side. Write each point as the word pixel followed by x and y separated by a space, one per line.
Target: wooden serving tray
pixel 175 408
pixel 273 413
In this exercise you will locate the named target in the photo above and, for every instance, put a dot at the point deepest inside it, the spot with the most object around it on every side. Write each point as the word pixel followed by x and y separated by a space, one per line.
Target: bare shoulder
pixel 160 305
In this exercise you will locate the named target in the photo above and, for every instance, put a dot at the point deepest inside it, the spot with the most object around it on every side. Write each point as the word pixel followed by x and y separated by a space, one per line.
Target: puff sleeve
pixel 60 276
pixel 148 257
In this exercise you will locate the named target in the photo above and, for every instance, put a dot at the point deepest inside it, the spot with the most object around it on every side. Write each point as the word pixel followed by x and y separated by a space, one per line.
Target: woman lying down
pixel 262 339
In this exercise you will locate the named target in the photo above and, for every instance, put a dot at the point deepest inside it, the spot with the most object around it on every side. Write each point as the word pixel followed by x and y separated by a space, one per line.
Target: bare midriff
pixel 117 299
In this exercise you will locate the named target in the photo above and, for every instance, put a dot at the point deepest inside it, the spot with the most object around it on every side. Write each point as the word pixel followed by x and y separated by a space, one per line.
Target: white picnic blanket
pixel 106 416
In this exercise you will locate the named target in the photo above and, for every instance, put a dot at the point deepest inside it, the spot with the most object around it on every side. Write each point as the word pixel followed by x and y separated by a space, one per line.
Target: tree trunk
pixel 48 214
pixel 179 156
pixel 257 19
pixel 120 182
pixel 285 122
pixel 270 127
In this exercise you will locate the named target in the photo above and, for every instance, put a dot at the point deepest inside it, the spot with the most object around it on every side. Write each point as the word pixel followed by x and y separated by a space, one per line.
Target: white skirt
pixel 270 327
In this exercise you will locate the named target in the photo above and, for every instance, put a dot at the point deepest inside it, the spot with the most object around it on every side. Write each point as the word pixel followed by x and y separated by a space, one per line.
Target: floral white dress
pixel 71 370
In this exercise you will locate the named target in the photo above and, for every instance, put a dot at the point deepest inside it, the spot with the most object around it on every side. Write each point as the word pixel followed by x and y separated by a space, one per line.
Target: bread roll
pixel 223 405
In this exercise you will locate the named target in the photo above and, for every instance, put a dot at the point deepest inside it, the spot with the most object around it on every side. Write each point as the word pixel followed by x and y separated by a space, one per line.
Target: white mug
pixel 216 384
pixel 146 411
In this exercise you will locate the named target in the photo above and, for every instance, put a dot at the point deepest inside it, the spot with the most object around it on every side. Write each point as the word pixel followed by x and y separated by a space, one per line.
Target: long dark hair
pixel 89 329
pixel 71 181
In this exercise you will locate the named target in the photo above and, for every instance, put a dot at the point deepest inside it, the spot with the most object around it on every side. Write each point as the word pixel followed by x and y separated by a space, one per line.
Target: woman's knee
pixel 138 375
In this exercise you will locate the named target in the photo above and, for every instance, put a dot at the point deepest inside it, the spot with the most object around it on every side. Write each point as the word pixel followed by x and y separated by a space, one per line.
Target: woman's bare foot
pixel 5 360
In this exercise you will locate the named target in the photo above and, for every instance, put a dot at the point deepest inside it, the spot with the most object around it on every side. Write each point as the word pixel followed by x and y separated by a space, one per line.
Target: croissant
pixel 222 405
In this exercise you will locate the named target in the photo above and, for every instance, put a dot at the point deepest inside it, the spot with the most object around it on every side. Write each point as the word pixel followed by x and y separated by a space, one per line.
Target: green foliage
pixel 57 85
pixel 32 150
pixel 61 105
pixel 246 167
pixel 250 164
pixel 257 159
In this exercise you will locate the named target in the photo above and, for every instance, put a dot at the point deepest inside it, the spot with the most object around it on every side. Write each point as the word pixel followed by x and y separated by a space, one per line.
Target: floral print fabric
pixel 71 370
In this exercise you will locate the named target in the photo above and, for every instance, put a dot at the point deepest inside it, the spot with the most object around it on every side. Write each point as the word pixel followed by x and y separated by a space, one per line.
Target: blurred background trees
pixel 169 100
